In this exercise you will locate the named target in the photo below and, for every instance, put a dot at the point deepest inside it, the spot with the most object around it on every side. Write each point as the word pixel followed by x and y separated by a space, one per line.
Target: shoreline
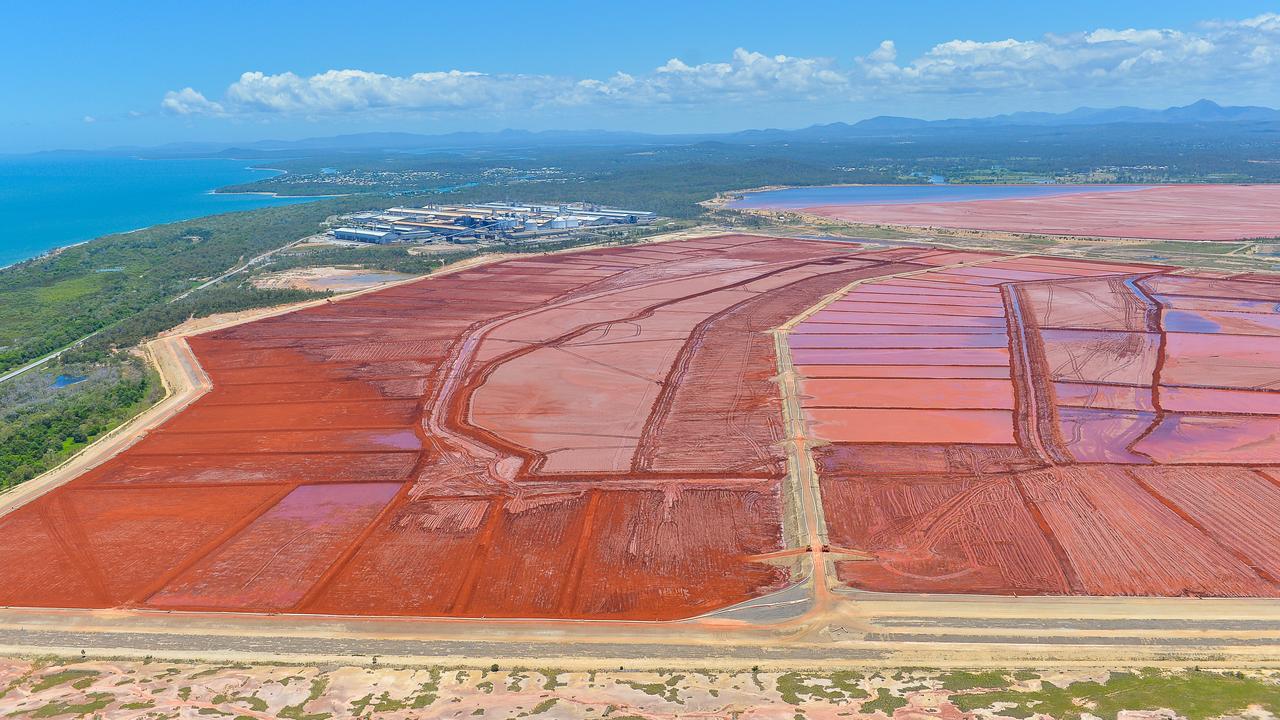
pixel 267 193
pixel 51 252
pixel 214 191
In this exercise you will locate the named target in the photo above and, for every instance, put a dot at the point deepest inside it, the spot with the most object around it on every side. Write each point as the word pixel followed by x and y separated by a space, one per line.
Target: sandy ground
pixel 116 688
pixel 327 278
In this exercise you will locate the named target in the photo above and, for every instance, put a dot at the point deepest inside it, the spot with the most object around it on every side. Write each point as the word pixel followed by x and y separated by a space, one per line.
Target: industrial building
pixel 365 234
pixel 483 221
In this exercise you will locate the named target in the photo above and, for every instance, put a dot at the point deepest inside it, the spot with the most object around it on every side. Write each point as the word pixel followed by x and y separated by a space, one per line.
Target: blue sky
pixel 89 75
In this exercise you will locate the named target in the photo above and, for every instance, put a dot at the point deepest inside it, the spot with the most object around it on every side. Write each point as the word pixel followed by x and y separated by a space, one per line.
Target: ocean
pixel 57 200
pixel 899 194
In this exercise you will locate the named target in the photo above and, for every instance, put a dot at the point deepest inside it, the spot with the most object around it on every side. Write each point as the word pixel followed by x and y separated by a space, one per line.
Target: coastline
pixel 266 193
pixel 54 251
pixel 146 203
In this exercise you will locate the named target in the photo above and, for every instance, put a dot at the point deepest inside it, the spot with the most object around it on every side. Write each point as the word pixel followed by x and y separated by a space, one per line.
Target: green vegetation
pixel 885 702
pixel 1195 695
pixel 40 425
pixel 667 690
pixel 427 691
pixel 968 680
pixel 838 687
pixel 63 677
pixel 297 712
pixel 543 706
pixel 93 702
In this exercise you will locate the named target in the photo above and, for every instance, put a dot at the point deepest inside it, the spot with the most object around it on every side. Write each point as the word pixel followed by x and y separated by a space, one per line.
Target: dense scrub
pixel 41 424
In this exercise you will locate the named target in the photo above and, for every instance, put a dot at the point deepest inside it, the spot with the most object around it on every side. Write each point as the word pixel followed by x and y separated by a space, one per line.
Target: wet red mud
pixel 600 435
pixel 1139 457
pixel 1181 212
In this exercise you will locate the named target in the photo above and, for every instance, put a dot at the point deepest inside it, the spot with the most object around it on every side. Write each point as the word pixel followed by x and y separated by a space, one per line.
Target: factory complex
pixel 484 221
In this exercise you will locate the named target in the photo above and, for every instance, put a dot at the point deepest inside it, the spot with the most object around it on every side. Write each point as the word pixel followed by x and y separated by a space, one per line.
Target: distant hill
pixel 1199 113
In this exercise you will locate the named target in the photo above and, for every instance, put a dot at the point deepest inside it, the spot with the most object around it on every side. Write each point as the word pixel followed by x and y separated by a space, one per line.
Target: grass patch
pixel 553 680
pixel 885 701
pixel 1195 695
pixel 66 676
pixel 840 687
pixel 427 692
pixel 70 290
pixel 297 712
pixel 542 707
pixel 665 690
pixel 92 704
pixel 959 681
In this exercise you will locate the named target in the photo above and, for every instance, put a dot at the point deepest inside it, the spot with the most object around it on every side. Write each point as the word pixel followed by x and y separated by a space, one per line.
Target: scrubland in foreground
pixel 109 688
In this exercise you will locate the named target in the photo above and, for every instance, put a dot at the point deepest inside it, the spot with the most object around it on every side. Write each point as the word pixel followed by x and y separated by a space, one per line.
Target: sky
pixel 94 75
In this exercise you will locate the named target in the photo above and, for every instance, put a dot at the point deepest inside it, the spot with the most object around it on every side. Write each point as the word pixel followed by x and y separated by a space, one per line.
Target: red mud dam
pixel 1181 212
pixel 1045 426
pixel 599 435
pixel 589 435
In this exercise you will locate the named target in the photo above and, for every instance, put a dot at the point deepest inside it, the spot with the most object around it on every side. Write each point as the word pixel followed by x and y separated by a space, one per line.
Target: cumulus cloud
pixel 353 90
pixel 1213 53
pixel 189 101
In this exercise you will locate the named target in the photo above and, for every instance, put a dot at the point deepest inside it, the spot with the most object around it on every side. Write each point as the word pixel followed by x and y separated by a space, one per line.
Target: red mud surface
pixel 600 435
pixel 1123 448
pixel 590 435
pixel 1181 212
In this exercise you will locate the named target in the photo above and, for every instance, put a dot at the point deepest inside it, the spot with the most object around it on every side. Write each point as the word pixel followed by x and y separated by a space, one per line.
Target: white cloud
pixel 354 90
pixel 89 119
pixel 1212 55
pixel 188 101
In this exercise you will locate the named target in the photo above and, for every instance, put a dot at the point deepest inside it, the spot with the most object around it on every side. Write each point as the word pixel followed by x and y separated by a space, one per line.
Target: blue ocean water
pixel 899 194
pixel 52 201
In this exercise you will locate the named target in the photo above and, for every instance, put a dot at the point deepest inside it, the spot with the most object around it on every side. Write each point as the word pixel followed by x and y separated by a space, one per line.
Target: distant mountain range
pixel 1200 113
pixel 1197 113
